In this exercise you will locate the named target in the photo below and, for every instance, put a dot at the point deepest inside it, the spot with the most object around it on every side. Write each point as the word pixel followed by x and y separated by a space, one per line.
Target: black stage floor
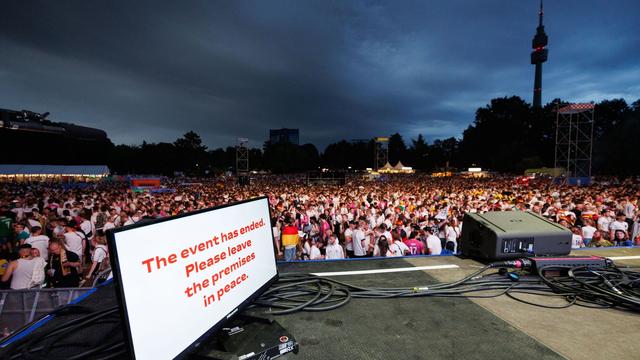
pixel 405 328
pixel 419 328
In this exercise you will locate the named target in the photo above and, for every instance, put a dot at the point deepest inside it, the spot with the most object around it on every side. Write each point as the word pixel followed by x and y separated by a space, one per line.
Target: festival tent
pixel 386 167
pixel 52 172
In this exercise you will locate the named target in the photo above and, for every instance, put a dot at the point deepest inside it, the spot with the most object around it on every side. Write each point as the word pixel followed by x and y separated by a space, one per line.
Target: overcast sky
pixel 334 69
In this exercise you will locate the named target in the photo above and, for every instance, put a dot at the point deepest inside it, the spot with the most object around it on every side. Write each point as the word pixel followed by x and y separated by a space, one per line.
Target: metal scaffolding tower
pixel 381 152
pixel 242 156
pixel 574 139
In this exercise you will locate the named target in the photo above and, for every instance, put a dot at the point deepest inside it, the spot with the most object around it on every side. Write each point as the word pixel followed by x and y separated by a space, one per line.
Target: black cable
pixel 39 346
pixel 604 287
pixel 101 348
pixel 571 300
pixel 587 287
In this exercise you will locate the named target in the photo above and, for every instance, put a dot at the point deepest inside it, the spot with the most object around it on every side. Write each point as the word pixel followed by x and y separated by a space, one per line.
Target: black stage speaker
pixel 512 234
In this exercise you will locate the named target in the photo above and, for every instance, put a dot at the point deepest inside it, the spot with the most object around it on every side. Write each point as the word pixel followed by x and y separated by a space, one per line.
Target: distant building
pixel 279 136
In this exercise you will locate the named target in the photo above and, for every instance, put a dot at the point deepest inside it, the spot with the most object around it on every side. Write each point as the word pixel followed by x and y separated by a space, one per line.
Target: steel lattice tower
pixel 574 139
pixel 242 156
pixel 381 152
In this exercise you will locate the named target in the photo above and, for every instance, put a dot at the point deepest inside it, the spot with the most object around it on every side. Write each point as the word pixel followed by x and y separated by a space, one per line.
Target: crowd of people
pixel 54 236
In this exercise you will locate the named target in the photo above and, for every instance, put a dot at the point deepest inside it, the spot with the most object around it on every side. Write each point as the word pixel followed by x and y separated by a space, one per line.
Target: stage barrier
pixel 20 307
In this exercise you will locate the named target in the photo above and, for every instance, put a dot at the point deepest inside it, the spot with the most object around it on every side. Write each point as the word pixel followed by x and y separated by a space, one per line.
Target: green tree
pixel 192 154
pixel 397 149
pixel 498 139
pixel 190 140
pixel 418 153
pixel 444 152
pixel 288 158
pixel 338 155
pixel 617 128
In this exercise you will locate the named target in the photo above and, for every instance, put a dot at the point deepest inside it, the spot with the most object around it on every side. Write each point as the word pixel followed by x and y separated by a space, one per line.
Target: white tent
pixel 52 171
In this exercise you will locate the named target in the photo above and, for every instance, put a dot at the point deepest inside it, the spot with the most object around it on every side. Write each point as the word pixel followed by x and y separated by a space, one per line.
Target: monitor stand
pixel 248 337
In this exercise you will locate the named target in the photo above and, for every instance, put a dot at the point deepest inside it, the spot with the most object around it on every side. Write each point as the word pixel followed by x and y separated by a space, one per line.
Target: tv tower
pixel 538 56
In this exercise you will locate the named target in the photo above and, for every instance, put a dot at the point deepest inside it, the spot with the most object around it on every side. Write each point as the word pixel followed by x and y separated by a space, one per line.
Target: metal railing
pixel 21 307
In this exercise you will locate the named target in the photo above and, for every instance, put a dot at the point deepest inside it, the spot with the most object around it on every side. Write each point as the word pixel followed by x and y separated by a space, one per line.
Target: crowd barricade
pixel 21 307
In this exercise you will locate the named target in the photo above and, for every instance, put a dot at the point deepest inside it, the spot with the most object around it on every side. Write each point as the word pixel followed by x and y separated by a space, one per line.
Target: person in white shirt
pixel 587 231
pixel 108 225
pixel 387 222
pixel 619 224
pixel 348 238
pixel 359 240
pixel 276 235
pixel 451 233
pixel 127 220
pixel 404 249
pixel 306 247
pixel 73 240
pixel 57 228
pixel 604 221
pixel 85 226
pixel 392 249
pixel 315 254
pixel 33 222
pixel 334 250
pixel 576 240
pixel 114 217
pixel 629 211
pixel 434 245
pixel 381 231
pixel 38 241
pixel 635 230
pixel 382 248
pixel 38 277
pixel 18 210
pixel 61 210
pixel 21 271
pixel 100 254
pixel 94 217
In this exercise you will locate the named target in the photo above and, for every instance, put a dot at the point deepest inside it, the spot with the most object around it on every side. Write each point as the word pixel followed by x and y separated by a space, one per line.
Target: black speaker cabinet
pixel 512 234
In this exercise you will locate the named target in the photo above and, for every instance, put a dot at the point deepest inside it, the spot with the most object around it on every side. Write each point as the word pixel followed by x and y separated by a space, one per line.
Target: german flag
pixel 290 236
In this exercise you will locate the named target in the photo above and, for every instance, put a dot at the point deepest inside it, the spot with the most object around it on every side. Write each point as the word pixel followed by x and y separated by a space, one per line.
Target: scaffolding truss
pixel 381 156
pixel 574 139
pixel 242 156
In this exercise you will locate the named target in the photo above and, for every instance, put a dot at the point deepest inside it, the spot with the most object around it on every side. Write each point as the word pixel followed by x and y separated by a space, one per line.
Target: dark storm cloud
pixel 334 69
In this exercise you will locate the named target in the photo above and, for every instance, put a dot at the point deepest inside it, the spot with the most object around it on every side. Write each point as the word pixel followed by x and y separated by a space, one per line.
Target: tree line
pixel 507 135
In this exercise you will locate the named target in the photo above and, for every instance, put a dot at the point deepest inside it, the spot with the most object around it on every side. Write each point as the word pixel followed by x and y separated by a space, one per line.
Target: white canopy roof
pixel 21 169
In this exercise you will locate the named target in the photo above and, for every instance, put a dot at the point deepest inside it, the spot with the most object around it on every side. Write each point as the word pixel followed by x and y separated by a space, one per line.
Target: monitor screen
pixel 180 278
